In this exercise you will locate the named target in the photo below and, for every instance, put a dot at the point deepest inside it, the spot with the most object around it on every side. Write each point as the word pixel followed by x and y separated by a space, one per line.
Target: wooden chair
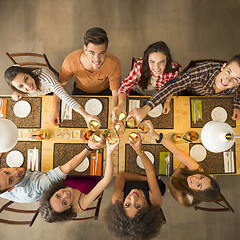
pixel 6 207
pixel 194 63
pixel 41 60
pixel 225 206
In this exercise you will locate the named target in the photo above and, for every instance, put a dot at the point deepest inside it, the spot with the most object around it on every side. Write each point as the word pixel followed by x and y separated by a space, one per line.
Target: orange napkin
pixel 99 165
pixel 4 109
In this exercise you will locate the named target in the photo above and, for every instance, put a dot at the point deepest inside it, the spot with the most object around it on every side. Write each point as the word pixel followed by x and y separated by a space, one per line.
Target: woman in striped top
pixel 40 81
pixel 148 75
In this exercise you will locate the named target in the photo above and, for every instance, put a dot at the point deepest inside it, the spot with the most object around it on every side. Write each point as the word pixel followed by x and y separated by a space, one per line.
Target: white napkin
pixel 134 104
pixel 228 161
pixel 32 159
pixel 66 113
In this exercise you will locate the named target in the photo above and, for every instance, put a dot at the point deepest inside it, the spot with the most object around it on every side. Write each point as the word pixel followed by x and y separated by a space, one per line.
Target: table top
pixel 181 114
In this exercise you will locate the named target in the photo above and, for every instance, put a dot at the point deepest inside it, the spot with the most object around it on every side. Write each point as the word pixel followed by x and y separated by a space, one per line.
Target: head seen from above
pixel 9 177
pixel 95 47
pixel 229 76
pixel 22 79
pixel 56 203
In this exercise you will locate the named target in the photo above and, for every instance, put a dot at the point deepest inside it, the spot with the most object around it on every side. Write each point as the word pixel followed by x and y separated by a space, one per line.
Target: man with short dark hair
pixel 206 79
pixel 96 70
pixel 19 185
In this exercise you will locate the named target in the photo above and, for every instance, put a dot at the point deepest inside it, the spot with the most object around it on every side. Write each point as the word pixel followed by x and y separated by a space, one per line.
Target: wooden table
pixel 182 124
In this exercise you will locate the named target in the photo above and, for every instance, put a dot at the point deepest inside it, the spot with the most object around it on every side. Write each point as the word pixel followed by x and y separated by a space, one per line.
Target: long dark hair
pixel 47 212
pixel 208 195
pixel 145 73
pixel 145 225
pixel 13 71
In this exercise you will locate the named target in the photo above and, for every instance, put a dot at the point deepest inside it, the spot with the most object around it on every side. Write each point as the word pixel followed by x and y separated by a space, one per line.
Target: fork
pixel 167 163
pixel 94 159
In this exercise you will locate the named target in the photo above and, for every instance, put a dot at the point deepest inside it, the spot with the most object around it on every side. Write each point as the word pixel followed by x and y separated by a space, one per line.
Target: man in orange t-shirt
pixel 96 71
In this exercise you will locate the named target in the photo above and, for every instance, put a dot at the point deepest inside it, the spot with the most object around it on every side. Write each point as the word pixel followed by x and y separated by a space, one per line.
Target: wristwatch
pixel 160 138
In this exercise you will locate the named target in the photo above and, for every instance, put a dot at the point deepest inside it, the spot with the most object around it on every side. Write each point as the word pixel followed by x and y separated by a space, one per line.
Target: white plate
pixel 93 106
pixel 156 112
pixel 149 155
pixel 198 153
pixel 14 159
pixel 83 166
pixel 219 114
pixel 22 109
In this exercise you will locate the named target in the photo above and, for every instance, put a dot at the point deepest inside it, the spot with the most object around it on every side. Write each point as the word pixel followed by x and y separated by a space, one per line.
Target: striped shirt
pixel 48 84
pixel 198 80
pixel 134 77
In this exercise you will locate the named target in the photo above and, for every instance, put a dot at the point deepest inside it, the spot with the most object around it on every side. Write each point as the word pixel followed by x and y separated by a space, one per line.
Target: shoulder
pixel 209 66
pixel 112 59
pixel 74 55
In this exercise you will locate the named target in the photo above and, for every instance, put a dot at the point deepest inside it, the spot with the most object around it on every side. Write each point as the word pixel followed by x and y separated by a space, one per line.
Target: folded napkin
pixel 96 165
pixel 196 107
pixel 32 160
pixel 163 164
pixel 3 108
pixel 134 104
pixel 228 162
pixel 66 112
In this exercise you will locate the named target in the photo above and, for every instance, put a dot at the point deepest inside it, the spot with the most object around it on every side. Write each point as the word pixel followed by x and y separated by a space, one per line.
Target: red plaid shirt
pixel 135 75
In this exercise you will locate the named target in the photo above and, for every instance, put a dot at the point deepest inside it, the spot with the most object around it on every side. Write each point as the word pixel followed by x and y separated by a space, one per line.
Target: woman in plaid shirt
pixel 148 75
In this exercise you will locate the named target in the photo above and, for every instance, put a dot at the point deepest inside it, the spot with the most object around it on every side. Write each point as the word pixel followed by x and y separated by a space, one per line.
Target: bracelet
pixel 89 149
pixel 142 152
pixel 160 138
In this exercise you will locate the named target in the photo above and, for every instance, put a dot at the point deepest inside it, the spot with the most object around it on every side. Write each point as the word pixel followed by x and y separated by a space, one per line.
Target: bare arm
pixel 114 98
pixel 139 113
pixel 121 105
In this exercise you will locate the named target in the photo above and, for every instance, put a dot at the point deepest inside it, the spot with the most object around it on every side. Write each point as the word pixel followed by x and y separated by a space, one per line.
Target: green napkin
pixel 163 163
pixel 199 103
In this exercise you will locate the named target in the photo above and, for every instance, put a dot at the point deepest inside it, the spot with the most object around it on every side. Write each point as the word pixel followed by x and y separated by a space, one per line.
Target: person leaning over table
pixel 206 79
pixel 135 212
pixel 148 75
pixel 40 81
pixel 189 183
pixel 64 200
pixel 96 71
pixel 19 185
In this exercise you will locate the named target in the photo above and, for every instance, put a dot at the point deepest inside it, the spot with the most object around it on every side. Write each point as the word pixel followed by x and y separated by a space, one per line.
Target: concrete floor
pixel 192 29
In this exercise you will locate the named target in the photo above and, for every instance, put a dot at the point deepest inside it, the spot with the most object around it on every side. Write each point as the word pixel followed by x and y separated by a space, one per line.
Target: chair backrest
pixel 6 207
pixel 225 206
pixel 94 210
pixel 39 60
pixel 194 63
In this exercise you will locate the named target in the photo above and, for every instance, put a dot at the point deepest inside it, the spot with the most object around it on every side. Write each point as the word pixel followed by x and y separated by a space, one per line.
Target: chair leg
pixel 6 205
pixel 34 218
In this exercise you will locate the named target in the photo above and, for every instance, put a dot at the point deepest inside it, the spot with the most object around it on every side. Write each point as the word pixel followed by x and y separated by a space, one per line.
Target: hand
pixel 137 146
pixel 166 107
pixel 54 117
pixel 111 147
pixel 139 113
pixel 95 145
pixel 118 108
pixel 151 132
pixel 16 96
pixel 236 114
pixel 88 118
pixel 122 126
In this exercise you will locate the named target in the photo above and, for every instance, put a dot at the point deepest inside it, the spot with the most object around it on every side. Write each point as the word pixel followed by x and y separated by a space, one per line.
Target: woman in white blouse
pixel 40 81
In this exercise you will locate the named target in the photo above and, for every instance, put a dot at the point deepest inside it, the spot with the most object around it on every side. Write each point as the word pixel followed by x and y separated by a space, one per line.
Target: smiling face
pixel 96 55
pixel 9 177
pixel 229 77
pixel 157 63
pixel 62 199
pixel 24 83
pixel 133 202
pixel 198 182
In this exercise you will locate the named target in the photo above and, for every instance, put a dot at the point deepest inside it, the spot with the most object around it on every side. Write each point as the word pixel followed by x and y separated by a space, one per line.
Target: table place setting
pixel 165 163
pixel 32 160
pixel 66 113
pixel 196 106
pixel 228 157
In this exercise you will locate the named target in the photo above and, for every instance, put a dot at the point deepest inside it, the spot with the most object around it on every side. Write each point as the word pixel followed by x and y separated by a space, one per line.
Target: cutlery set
pixel 167 159
pixel 196 110
pixel 229 161
pixel 94 163
pixel 32 159
pixel 66 112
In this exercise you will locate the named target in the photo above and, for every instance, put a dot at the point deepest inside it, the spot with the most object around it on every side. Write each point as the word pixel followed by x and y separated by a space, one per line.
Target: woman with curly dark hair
pixel 148 75
pixel 135 212
pixel 64 200
pixel 189 184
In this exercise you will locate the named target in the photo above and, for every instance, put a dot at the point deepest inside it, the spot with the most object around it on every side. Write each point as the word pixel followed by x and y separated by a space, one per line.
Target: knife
pixel 96 162
pixel 194 112
pixel 199 115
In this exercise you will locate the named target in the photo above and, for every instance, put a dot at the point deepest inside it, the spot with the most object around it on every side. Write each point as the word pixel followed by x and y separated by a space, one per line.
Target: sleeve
pixel 65 73
pixel 236 100
pixel 48 179
pixel 115 77
pixel 131 80
pixel 56 87
pixel 171 87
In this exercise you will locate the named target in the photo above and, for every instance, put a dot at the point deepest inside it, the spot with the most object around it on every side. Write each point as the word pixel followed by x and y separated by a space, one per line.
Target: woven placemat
pixel 155 149
pixel 164 121
pixel 79 122
pixel 33 120
pixel 208 104
pixel 214 162
pixel 64 152
pixel 23 146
